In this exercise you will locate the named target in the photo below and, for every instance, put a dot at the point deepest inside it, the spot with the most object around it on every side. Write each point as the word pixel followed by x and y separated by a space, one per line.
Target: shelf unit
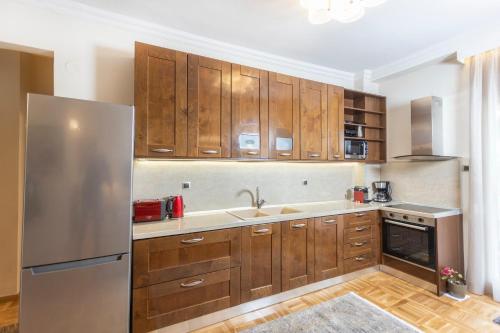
pixel 369 112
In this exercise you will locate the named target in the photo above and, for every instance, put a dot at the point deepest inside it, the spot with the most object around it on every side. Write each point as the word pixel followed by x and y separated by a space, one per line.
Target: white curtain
pixel 483 272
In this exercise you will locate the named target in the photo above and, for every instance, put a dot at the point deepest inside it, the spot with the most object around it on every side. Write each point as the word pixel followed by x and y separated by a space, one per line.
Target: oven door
pixel 410 242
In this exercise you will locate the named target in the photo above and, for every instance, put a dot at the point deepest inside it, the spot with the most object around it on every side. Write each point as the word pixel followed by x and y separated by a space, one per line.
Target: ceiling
pixel 385 34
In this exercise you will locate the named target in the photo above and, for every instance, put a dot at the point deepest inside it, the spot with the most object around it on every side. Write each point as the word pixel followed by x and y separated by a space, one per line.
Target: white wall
pixel 94 50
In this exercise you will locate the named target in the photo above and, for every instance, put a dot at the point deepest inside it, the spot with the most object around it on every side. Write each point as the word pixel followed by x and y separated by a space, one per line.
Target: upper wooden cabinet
pixel 335 123
pixel 284 122
pixel 160 102
pixel 313 120
pixel 249 112
pixel 209 107
pixel 189 106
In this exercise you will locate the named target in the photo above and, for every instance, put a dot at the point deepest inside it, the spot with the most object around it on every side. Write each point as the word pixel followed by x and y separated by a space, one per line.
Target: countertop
pixel 221 219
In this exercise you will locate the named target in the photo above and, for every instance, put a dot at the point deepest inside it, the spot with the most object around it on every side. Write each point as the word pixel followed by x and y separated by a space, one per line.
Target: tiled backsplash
pixel 430 183
pixel 224 184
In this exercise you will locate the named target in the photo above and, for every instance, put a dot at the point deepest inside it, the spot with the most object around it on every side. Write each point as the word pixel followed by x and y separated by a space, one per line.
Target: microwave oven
pixel 355 149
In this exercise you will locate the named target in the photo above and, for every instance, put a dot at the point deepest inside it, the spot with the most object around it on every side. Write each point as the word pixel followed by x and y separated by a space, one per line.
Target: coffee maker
pixel 382 191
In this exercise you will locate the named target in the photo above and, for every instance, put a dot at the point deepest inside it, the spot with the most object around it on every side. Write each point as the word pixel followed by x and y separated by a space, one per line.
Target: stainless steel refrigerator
pixel 77 216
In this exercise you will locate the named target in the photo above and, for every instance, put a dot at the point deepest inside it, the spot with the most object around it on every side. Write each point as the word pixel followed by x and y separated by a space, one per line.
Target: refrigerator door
pixel 83 296
pixel 78 180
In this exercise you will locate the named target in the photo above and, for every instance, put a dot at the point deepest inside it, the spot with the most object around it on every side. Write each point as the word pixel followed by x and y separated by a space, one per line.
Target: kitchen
pixel 269 159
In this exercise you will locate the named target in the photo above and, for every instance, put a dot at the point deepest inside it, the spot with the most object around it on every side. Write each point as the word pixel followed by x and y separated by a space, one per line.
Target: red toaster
pixel 149 210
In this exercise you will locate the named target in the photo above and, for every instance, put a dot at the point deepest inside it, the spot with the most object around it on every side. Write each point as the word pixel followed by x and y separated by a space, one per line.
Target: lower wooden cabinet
pixel 177 278
pixel 297 263
pixel 328 244
pixel 260 261
pixel 171 302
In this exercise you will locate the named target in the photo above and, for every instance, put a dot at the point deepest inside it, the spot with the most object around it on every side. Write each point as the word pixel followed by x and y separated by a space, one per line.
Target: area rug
pixel 346 314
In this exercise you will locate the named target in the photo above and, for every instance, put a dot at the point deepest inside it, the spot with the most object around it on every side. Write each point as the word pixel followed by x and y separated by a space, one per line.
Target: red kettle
pixel 175 206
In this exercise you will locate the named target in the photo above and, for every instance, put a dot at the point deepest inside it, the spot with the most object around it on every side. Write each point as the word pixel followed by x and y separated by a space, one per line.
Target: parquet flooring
pixel 415 305
pixel 9 312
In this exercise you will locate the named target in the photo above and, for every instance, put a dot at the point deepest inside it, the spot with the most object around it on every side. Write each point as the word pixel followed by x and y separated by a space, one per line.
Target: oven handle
pixel 411 226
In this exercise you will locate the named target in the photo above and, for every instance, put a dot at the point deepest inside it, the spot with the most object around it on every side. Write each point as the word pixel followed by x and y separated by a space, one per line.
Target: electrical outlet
pixel 304 182
pixel 186 185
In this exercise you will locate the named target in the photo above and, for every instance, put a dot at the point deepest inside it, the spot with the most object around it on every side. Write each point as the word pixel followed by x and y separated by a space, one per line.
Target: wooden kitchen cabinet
pixel 361 240
pixel 177 278
pixel 284 113
pixel 260 261
pixel 313 120
pixel 249 100
pixel 297 263
pixel 209 107
pixel 170 258
pixel 160 102
pixel 328 247
pixel 335 123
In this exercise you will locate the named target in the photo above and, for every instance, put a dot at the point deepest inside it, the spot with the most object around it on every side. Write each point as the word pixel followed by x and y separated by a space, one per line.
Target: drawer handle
pixel 361 228
pixel 330 221
pixel 261 231
pixel 298 226
pixel 192 283
pixel 360 258
pixel 359 244
pixel 314 155
pixel 285 154
pixel 336 156
pixel 210 152
pixel 360 214
pixel 192 241
pixel 252 152
pixel 162 150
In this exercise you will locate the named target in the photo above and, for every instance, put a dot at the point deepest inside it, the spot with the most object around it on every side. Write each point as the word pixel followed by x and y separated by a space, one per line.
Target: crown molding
pixel 187 42
pixel 459 47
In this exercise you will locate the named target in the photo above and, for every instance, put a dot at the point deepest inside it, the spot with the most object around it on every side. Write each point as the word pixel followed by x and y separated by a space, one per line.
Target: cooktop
pixel 418 208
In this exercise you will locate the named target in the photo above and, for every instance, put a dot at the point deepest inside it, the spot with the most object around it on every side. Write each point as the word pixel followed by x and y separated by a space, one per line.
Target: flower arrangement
pixel 452 276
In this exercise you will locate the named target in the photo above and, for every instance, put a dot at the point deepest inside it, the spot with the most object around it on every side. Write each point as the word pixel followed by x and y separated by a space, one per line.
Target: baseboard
pixel 213 318
pixel 409 278
pixel 9 298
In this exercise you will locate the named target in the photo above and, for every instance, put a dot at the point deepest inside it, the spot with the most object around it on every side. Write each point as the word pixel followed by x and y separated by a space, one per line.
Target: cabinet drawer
pixel 357 219
pixel 175 257
pixel 358 248
pixel 359 262
pixel 358 234
pixel 171 302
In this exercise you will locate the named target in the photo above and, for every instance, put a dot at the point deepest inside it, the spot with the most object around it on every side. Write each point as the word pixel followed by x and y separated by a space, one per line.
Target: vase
pixel 457 290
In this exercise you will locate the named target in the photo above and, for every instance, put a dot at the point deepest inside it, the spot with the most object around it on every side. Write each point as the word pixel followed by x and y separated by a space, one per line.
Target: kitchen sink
pixel 254 213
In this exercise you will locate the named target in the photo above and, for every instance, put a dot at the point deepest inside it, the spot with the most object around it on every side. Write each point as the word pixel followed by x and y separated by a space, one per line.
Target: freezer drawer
pixel 85 296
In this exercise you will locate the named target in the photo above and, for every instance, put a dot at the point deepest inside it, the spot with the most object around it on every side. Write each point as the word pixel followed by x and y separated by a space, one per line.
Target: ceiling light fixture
pixel 345 11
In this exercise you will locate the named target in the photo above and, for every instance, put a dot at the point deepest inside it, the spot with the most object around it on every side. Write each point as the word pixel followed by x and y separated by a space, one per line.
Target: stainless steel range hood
pixel 427 141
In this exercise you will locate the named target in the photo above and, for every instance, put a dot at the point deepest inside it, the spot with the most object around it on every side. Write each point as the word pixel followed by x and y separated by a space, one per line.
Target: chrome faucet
pixel 258 201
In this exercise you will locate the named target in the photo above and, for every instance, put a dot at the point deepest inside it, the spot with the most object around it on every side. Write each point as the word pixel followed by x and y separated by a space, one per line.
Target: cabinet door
pixel 249 112
pixel 335 123
pixel 160 102
pixel 260 261
pixel 209 107
pixel 284 122
pixel 328 247
pixel 313 120
pixel 169 258
pixel 297 253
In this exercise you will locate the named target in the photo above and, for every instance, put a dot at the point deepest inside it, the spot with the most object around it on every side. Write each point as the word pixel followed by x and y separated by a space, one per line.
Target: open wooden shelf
pixel 368 111
pixel 362 110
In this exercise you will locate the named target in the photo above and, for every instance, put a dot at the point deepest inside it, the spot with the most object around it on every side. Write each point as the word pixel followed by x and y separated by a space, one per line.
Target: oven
pixel 409 238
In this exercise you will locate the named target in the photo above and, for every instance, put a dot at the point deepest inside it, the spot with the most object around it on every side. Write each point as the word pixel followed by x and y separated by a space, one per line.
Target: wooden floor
pixel 408 302
pixel 9 311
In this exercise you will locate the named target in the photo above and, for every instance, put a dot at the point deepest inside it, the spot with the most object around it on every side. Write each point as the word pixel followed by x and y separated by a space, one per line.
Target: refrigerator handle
pixel 75 264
